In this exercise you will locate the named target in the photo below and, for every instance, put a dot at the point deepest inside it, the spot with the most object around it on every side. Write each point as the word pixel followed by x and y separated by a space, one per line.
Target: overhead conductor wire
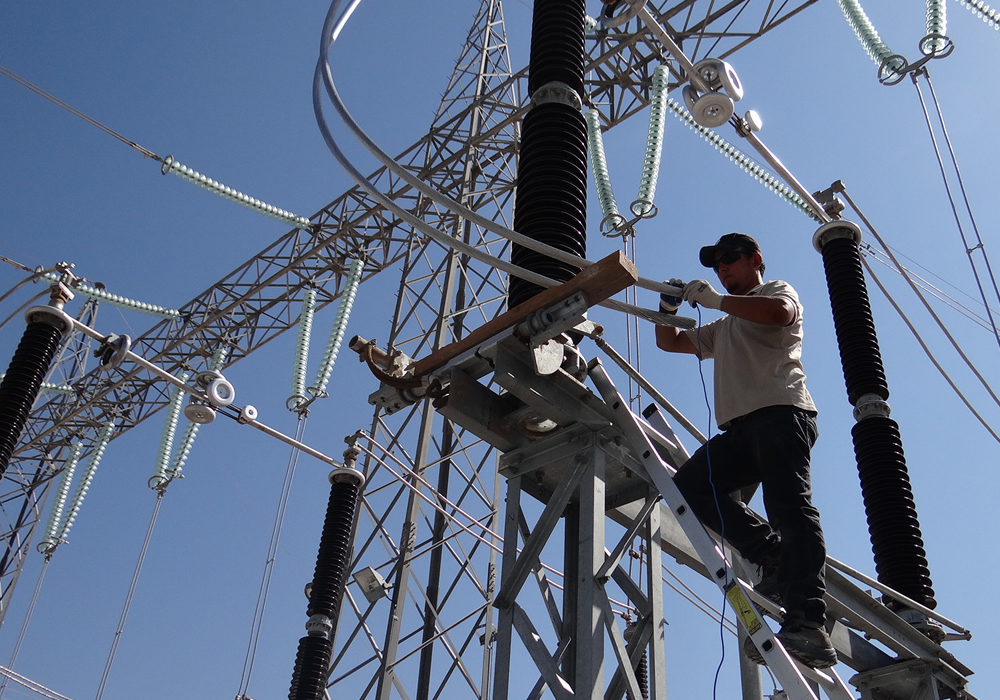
pixel 169 165
pixel 936 318
pixel 272 553
pixel 965 197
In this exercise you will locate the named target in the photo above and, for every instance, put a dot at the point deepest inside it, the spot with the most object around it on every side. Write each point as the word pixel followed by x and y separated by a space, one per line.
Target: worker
pixel 768 427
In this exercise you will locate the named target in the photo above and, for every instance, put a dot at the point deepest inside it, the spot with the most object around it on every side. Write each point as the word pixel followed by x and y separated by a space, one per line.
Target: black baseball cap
pixel 731 241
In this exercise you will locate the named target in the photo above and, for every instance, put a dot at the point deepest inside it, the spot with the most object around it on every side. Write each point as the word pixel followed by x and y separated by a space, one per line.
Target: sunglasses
pixel 728 258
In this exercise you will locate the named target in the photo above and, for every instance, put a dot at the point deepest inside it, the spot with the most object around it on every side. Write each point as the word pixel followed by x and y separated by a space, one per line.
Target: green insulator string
pixel 347 296
pixel 745 163
pixel 866 33
pixel 301 360
pixel 103 438
pixel 115 300
pixel 643 204
pixel 937 26
pixel 50 541
pixel 193 176
pixel 191 429
pixel 160 479
pixel 612 221
pixel 983 11
pixel 48 387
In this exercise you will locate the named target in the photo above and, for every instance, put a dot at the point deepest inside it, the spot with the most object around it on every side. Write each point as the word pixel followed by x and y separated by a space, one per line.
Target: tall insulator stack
pixel 312 661
pixel 27 369
pixel 900 559
pixel 551 204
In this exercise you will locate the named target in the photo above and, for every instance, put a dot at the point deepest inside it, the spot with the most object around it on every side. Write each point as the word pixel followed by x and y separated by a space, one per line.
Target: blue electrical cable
pixel 718 508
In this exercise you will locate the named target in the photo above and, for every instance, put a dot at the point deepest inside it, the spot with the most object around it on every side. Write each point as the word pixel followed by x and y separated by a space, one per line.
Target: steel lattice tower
pixel 432 635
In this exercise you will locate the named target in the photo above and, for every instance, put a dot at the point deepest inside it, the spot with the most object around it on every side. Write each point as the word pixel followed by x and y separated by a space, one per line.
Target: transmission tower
pixel 418 621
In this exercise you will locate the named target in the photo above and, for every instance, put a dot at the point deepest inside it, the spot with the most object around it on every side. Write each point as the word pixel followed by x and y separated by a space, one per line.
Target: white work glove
pixel 669 304
pixel 701 292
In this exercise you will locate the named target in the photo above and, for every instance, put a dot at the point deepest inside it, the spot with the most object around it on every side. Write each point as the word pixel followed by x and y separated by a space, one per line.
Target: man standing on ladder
pixel 768 423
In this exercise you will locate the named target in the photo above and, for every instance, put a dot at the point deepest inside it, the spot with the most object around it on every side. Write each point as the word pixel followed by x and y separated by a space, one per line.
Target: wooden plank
pixel 598 282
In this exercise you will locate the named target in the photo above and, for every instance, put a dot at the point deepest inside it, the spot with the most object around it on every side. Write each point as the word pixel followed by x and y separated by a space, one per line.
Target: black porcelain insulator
pixel 22 382
pixel 900 559
pixel 334 550
pixel 312 662
pixel 852 318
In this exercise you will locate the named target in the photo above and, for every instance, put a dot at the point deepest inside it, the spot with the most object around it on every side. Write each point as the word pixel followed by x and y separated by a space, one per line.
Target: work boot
pixel 811 646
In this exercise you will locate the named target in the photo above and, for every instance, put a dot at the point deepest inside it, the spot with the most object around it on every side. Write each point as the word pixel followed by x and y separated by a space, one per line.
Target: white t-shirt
pixel 756 365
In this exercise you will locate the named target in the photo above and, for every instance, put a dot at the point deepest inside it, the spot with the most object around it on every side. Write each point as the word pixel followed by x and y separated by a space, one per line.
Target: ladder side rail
pixel 780 663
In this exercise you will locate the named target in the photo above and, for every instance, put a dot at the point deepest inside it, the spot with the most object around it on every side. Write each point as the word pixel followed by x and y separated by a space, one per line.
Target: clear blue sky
pixel 225 88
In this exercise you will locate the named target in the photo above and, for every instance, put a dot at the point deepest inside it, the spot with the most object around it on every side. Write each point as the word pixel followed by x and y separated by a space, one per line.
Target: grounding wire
pixel 128 598
pixel 272 552
pixel 920 296
pixel 951 199
pixel 983 11
pixel 324 74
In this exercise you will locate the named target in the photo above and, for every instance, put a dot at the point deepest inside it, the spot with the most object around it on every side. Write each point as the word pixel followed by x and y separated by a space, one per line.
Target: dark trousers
pixel 769 446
